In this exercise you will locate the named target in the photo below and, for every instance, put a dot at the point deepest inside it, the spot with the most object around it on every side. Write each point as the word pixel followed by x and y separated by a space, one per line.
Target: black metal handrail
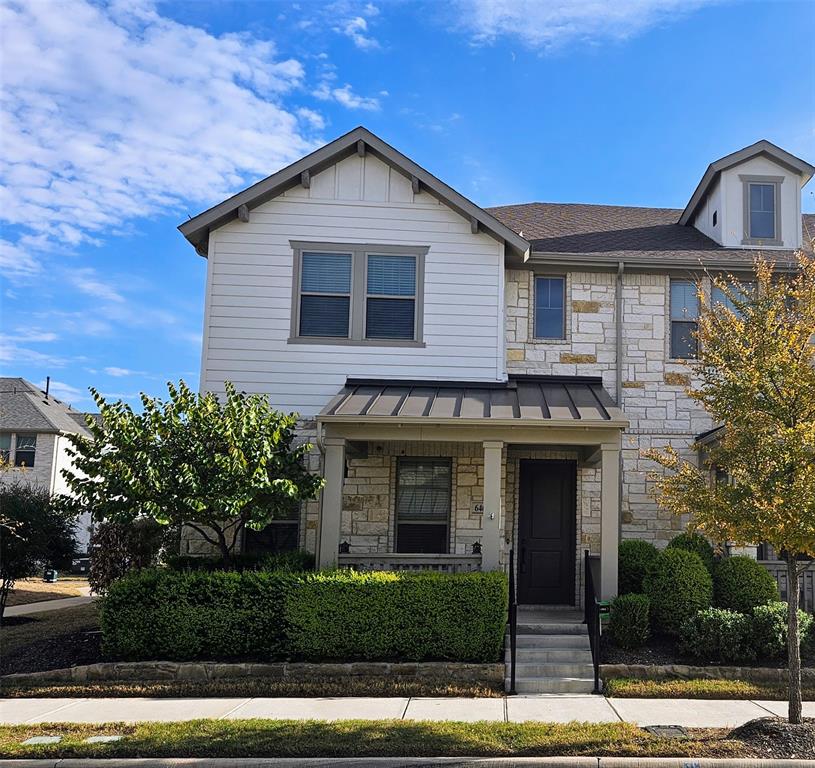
pixel 591 607
pixel 513 622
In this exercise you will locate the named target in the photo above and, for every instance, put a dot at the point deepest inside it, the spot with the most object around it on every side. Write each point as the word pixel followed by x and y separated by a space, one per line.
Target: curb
pixel 408 762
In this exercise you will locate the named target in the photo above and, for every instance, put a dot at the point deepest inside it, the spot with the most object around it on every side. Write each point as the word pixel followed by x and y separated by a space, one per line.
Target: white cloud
pixel 356 29
pixel 315 119
pixel 113 370
pixel 553 23
pixel 346 97
pixel 12 354
pixel 86 281
pixel 112 112
pixel 34 335
pixel 62 391
pixel 16 261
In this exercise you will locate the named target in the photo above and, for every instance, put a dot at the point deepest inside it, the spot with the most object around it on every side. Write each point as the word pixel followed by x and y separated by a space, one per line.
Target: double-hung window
pixel 742 291
pixel 25 449
pixel 362 294
pixel 762 212
pixel 550 313
pixel 684 318
pixel 325 294
pixel 423 499
pixel 5 448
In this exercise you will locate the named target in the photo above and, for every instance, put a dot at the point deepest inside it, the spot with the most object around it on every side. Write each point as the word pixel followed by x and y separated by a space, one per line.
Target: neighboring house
pixel 478 380
pixel 34 427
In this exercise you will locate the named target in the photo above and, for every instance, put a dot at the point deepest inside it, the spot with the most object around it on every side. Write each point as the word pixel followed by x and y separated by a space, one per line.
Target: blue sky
pixel 119 119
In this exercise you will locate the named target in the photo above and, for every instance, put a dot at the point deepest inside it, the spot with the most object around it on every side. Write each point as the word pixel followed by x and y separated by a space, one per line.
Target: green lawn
pixel 630 688
pixel 354 738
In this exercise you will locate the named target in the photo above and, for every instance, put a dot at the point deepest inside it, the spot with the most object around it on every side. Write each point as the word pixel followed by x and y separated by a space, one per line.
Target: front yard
pixel 35 590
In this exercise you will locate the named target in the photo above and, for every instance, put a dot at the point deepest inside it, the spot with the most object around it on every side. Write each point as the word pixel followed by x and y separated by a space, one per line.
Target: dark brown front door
pixel 546 532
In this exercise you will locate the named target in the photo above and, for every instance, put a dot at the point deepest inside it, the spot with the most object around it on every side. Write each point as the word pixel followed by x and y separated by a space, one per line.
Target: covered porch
pixel 451 476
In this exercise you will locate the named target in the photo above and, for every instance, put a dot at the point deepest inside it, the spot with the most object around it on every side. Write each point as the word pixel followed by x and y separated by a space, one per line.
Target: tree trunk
pixel 793 641
pixel 226 552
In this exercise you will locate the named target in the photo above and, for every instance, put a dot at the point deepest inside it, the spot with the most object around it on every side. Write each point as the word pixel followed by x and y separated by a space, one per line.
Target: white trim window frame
pixel 761 184
pixel 358 295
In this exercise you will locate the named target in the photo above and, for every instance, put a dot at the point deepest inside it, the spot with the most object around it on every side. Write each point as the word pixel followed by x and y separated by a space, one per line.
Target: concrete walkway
pixel 47 605
pixel 552 708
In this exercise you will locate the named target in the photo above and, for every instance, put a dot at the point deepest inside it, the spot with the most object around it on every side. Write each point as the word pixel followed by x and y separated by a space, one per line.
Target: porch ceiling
pixel 520 401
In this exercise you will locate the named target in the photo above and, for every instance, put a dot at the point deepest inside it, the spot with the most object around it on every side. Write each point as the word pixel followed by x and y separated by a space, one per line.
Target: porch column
pixel 331 503
pixel 609 519
pixel 491 519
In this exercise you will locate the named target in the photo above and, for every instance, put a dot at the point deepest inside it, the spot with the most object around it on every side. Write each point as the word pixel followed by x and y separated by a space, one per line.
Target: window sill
pixel 758 243
pixel 337 342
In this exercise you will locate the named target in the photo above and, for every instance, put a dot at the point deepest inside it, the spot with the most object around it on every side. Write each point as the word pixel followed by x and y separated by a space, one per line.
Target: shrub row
pixel 685 578
pixel 728 636
pixel 162 614
pixel 293 561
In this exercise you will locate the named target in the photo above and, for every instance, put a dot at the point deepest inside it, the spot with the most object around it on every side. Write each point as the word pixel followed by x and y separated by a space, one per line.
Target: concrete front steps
pixel 553 653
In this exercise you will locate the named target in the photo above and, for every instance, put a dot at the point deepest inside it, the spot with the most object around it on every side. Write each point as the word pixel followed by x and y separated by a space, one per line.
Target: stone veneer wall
pixel 653 397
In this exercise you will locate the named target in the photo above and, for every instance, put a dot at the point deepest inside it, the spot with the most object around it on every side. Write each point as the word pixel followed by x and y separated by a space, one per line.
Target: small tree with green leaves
pixel 218 466
pixel 756 377
pixel 34 535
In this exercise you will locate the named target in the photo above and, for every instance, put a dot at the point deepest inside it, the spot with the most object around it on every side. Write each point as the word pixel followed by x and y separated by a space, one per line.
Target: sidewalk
pixel 553 708
pixel 46 605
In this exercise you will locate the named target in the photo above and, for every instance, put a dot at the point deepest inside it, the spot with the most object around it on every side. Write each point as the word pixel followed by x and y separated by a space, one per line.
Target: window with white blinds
pixel 423 501
pixel 325 294
pixel 360 294
pixel 390 305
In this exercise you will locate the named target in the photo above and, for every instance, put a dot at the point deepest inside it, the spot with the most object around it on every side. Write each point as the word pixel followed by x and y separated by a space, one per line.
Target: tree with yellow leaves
pixel 755 377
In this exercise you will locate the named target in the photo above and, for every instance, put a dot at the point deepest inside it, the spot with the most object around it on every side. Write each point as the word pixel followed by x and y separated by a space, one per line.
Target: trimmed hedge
pixel 741 584
pixel 695 542
pixel 292 561
pixel 160 614
pixel 163 614
pixel 635 555
pixel 384 615
pixel 629 622
pixel 718 635
pixel 678 585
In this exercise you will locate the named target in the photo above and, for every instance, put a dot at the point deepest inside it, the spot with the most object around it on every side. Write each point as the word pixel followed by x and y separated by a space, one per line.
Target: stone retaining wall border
pixel 686 672
pixel 204 671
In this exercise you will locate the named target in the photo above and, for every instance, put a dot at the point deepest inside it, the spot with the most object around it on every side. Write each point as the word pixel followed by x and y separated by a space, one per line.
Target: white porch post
pixel 609 519
pixel 491 519
pixel 331 503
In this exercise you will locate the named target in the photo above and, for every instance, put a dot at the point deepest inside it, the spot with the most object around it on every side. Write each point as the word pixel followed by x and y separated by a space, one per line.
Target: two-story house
pixel 478 380
pixel 34 443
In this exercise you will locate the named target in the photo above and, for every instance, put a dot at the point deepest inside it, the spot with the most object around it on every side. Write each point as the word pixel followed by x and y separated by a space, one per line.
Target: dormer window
pixel 762 210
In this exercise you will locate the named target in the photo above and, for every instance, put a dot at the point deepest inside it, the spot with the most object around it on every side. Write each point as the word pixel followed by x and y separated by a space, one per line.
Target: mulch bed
pixel 663 650
pixel 66 650
pixel 775 738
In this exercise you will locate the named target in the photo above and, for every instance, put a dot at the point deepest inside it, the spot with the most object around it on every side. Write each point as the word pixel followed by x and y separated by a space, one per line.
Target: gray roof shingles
pixel 24 408
pixel 613 233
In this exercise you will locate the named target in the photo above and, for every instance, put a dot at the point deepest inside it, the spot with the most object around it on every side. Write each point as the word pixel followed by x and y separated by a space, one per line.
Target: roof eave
pixel 615 422
pixel 197 229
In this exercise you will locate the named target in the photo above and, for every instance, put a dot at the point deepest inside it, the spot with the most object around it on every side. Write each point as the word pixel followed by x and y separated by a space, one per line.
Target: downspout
pixel 618 359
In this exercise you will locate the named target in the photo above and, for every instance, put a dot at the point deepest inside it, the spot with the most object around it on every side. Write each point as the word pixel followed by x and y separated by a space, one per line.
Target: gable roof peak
pixel 760 147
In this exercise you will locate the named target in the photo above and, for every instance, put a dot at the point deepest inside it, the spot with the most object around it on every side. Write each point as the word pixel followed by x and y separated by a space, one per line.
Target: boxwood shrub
pixel 635 555
pixel 740 584
pixel 384 615
pixel 294 561
pixel 770 630
pixel 629 622
pixel 161 614
pixel 181 615
pixel 718 635
pixel 678 585
pixel 695 542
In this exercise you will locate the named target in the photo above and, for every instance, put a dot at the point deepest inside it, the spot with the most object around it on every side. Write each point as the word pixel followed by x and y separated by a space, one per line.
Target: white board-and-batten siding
pixel 359 200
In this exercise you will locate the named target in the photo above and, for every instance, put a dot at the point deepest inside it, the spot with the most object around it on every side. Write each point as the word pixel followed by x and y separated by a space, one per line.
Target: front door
pixel 546 532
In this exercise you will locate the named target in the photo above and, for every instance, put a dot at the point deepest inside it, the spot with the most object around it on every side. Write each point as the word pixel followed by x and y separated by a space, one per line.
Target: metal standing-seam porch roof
pixel 562 400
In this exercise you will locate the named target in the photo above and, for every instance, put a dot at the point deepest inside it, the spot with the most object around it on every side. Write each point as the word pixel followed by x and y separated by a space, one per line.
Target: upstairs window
pixel 390 303
pixel 684 318
pixel 5 448
pixel 423 500
pixel 25 449
pixel 357 294
pixel 762 210
pixel 550 313
pixel 325 294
